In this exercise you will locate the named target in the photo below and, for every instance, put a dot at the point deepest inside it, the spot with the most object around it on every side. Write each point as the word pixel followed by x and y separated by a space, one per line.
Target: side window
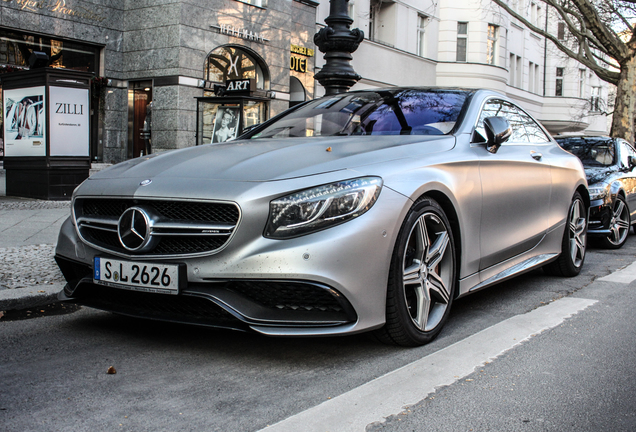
pixel 534 131
pixel 626 151
pixel 524 128
pixel 517 123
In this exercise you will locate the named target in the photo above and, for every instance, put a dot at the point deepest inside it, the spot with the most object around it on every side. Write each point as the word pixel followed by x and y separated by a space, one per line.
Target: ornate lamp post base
pixel 338 41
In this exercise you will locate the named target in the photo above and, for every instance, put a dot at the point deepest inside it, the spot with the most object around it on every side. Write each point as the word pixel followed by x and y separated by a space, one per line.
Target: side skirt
pixel 515 270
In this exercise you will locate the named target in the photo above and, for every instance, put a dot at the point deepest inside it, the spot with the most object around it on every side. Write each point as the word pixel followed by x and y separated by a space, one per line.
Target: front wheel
pixel 574 243
pixel 422 277
pixel 619 225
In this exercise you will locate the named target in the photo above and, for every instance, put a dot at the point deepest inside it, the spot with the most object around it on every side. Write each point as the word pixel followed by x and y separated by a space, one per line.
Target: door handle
pixel 536 155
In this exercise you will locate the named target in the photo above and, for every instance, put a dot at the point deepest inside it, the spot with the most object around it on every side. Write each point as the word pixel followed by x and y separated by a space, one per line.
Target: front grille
pixel 174 210
pixel 179 227
pixel 186 245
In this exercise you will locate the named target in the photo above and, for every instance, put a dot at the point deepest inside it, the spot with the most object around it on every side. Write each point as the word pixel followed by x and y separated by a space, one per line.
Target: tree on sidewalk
pixel 602 39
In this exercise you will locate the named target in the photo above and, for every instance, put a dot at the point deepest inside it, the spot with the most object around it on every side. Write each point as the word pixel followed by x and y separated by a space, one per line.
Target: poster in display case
pixel 25 122
pixel 69 121
pixel 46 116
pixel 225 124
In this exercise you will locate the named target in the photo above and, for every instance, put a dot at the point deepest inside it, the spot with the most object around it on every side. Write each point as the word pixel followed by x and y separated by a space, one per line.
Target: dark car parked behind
pixel 610 169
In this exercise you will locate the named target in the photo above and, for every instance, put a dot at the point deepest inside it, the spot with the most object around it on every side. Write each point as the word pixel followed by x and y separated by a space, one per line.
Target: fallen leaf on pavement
pixel 111 371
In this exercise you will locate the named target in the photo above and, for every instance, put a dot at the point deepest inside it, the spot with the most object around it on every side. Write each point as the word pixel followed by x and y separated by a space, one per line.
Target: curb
pixel 30 297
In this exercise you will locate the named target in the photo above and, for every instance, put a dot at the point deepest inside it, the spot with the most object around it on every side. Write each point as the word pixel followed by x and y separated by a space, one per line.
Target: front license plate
pixel 138 276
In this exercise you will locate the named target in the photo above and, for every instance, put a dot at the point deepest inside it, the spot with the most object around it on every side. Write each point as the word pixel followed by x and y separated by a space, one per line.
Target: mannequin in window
pixel 147 128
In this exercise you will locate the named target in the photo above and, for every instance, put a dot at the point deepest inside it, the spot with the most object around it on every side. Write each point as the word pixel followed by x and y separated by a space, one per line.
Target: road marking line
pixel 392 393
pixel 626 275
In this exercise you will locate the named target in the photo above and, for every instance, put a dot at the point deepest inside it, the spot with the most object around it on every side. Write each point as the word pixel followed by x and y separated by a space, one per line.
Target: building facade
pixel 475 44
pixel 168 74
pixel 175 73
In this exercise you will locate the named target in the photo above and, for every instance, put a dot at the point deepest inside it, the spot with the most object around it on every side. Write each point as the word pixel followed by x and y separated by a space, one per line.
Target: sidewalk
pixel 29 276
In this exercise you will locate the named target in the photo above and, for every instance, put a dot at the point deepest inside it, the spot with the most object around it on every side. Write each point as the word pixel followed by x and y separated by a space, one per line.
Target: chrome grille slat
pixel 183 227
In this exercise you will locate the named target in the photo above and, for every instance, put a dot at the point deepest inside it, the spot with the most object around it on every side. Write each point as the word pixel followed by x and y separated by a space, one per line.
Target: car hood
pixel 600 174
pixel 268 159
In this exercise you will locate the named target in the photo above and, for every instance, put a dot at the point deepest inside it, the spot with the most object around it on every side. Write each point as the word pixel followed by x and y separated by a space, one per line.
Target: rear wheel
pixel 422 277
pixel 619 225
pixel 574 243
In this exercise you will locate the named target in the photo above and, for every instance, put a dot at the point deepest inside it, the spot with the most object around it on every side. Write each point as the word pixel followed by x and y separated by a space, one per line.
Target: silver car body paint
pixel 510 209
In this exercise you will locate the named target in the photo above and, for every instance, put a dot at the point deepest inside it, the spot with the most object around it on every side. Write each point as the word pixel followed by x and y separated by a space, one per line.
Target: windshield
pixel 592 152
pixel 385 112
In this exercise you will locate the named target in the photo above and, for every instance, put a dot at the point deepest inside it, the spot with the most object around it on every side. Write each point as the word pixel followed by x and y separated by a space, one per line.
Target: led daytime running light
pixel 321 207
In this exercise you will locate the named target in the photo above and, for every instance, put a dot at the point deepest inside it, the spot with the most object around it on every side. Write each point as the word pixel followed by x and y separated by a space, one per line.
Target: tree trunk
pixel 625 106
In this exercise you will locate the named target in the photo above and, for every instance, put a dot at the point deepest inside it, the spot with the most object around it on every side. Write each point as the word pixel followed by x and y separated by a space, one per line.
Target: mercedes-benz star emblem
pixel 133 228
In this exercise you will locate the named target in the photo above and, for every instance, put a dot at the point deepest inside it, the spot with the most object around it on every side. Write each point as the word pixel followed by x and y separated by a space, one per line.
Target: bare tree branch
pixel 585 34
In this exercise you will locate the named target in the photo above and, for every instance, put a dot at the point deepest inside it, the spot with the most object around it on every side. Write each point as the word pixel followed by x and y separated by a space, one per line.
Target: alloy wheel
pixel 428 270
pixel 577 225
pixel 619 225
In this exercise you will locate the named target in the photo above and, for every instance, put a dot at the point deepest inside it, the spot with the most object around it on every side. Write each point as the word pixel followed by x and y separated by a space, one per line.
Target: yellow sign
pixel 298 64
pixel 297 49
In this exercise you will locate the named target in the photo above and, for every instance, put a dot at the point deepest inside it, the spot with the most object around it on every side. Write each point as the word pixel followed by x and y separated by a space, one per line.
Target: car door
pixel 516 183
pixel 628 179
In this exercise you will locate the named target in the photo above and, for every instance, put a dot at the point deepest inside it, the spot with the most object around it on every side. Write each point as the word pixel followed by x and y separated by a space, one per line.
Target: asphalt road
pixel 577 375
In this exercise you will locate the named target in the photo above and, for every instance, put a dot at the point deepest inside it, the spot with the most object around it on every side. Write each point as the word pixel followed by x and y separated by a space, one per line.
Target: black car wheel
pixel 574 243
pixel 422 277
pixel 619 225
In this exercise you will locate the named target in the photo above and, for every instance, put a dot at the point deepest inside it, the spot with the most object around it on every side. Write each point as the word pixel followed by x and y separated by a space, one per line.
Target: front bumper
pixel 326 283
pixel 600 217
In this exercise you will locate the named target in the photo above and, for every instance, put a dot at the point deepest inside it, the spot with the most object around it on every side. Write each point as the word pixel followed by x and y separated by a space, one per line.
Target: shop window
pixel 139 118
pixel 16 48
pixel 228 63
pixel 223 119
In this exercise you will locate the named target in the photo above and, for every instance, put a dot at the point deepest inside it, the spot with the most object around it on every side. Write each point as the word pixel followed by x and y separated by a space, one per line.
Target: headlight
pixel 321 207
pixel 597 192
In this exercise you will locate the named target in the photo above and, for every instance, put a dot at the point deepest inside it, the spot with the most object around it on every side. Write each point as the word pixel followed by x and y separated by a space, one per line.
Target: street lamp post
pixel 338 41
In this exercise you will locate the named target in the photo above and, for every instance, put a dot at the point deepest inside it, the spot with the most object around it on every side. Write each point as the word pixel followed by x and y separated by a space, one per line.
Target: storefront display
pixel 24 122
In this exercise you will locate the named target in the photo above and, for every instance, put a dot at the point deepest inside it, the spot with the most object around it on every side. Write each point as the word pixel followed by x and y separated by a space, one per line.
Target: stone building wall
pixel 167 42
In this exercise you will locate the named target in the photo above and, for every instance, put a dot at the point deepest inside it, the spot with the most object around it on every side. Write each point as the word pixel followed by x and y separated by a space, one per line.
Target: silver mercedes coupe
pixel 366 211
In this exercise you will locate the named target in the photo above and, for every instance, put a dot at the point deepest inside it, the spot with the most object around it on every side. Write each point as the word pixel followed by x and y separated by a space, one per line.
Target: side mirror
pixel 498 131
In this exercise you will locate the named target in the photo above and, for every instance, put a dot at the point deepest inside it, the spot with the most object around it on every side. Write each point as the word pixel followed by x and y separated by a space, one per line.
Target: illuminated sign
pixel 240 86
pixel 298 64
pixel 297 49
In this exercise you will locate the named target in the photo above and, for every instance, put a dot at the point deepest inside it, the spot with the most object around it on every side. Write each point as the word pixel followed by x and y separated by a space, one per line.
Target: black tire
pixel 422 277
pixel 574 243
pixel 619 225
